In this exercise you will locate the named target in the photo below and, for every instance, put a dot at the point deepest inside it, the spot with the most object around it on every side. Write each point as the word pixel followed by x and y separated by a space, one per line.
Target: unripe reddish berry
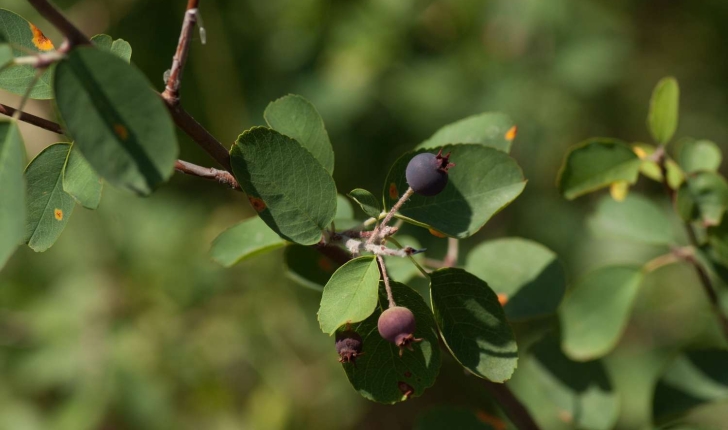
pixel 348 346
pixel 397 325
pixel 426 173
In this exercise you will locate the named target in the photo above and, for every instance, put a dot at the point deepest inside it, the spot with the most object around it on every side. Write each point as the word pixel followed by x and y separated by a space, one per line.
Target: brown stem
pixel 397 206
pixel 515 410
pixel 171 92
pixel 385 277
pixel 221 176
pixel 32 119
pixel 73 35
pixel 451 258
pixel 200 135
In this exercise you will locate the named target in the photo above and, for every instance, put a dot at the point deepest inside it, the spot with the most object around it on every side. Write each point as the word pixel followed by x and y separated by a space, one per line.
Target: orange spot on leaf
pixel 58 214
pixel 39 40
pixel 511 133
pixel 325 264
pixel 565 416
pixel 257 203
pixel 436 233
pixel 121 131
pixel 494 421
pixel 502 298
pixel 393 193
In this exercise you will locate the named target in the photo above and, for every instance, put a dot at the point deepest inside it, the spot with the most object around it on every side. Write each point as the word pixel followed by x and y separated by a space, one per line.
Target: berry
pixel 427 173
pixel 348 346
pixel 397 325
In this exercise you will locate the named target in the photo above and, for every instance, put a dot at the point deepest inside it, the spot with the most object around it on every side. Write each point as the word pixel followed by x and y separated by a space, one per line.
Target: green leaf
pixel 49 207
pixel 117 122
pixel 369 204
pixel 244 240
pixel 718 240
pixel 350 295
pixel 6 52
pixel 12 190
pixel 119 47
pixel 698 155
pixel 526 274
pixel 651 169
pixel 492 129
pixel 449 417
pixel 344 209
pixel 80 181
pixel 20 33
pixel 595 164
pixel 290 190
pixel 380 374
pixel 296 117
pixel 596 310
pixel 473 324
pixel 483 182
pixel 704 196
pixel 308 267
pixel 636 218
pixel 562 394
pixel 664 106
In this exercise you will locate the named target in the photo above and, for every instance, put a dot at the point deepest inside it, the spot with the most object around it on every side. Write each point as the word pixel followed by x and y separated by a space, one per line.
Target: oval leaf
pixel 527 276
pixel 120 126
pixel 244 240
pixel 118 47
pixel 492 129
pixel 483 181
pixel 288 188
pixel 473 324
pixel 49 207
pixel 308 267
pixel 12 191
pixel 80 181
pixel 380 374
pixel 350 295
pixel 664 106
pixel 26 38
pixel 369 204
pixel 698 155
pixel 595 164
pixel 595 312
pixel 296 117
pixel 634 219
pixel 562 394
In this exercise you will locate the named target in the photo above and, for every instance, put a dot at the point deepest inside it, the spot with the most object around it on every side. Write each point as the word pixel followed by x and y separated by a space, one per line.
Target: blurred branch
pixel 514 409
pixel 32 119
pixel 221 176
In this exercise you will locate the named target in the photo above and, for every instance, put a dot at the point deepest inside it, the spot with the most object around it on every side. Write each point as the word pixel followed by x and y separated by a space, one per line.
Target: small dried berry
pixel 427 173
pixel 397 325
pixel 348 346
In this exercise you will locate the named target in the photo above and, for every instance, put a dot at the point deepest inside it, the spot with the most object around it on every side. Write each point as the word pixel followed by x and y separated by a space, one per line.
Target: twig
pixel 221 176
pixel 411 257
pixel 515 410
pixel 385 276
pixel 31 119
pixel 451 258
pixel 397 206
pixel 200 135
pixel 73 35
pixel 171 92
pixel 663 260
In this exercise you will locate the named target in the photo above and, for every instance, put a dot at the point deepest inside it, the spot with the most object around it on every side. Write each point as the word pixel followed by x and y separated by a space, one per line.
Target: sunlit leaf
pixel 495 130
pixel 527 277
pixel 49 207
pixel 664 106
pixel 634 219
pixel 366 200
pixel 596 164
pixel 288 188
pixel 469 200
pixel 596 310
pixel 473 324
pixel 26 36
pixel 296 117
pixel 380 374
pixel 119 47
pixel 244 240
pixel 117 122
pixel 12 189
pixel 81 182
pixel 350 295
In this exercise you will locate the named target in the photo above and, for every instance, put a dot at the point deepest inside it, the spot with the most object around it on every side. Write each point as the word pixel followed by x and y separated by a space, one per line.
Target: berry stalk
pixel 387 287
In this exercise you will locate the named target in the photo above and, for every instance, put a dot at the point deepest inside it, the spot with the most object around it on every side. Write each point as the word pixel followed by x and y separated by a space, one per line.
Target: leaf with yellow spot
pixel 49 207
pixel 618 190
pixel 12 189
pixel 492 129
pixel 25 38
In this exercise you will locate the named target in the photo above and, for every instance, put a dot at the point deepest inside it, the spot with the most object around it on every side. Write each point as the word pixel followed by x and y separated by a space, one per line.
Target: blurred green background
pixel 126 323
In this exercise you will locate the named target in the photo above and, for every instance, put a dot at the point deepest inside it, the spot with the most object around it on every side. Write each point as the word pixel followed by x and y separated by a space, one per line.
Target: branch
pixel 73 35
pixel 171 92
pixel 200 135
pixel 515 410
pixel 32 119
pixel 221 176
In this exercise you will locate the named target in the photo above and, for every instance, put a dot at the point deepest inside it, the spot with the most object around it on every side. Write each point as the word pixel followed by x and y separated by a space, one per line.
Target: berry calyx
pixel 397 325
pixel 348 346
pixel 427 173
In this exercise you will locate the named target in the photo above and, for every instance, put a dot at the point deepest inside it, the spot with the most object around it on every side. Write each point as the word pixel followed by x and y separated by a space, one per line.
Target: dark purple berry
pixel 348 346
pixel 397 325
pixel 427 173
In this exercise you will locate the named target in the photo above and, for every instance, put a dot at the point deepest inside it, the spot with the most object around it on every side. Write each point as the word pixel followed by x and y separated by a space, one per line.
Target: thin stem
pixel 662 260
pixel 397 206
pixel 31 119
pixel 451 258
pixel 171 92
pixel 383 269
pixel 412 259
pixel 221 176
pixel 73 35
pixel 513 408
pixel 200 135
